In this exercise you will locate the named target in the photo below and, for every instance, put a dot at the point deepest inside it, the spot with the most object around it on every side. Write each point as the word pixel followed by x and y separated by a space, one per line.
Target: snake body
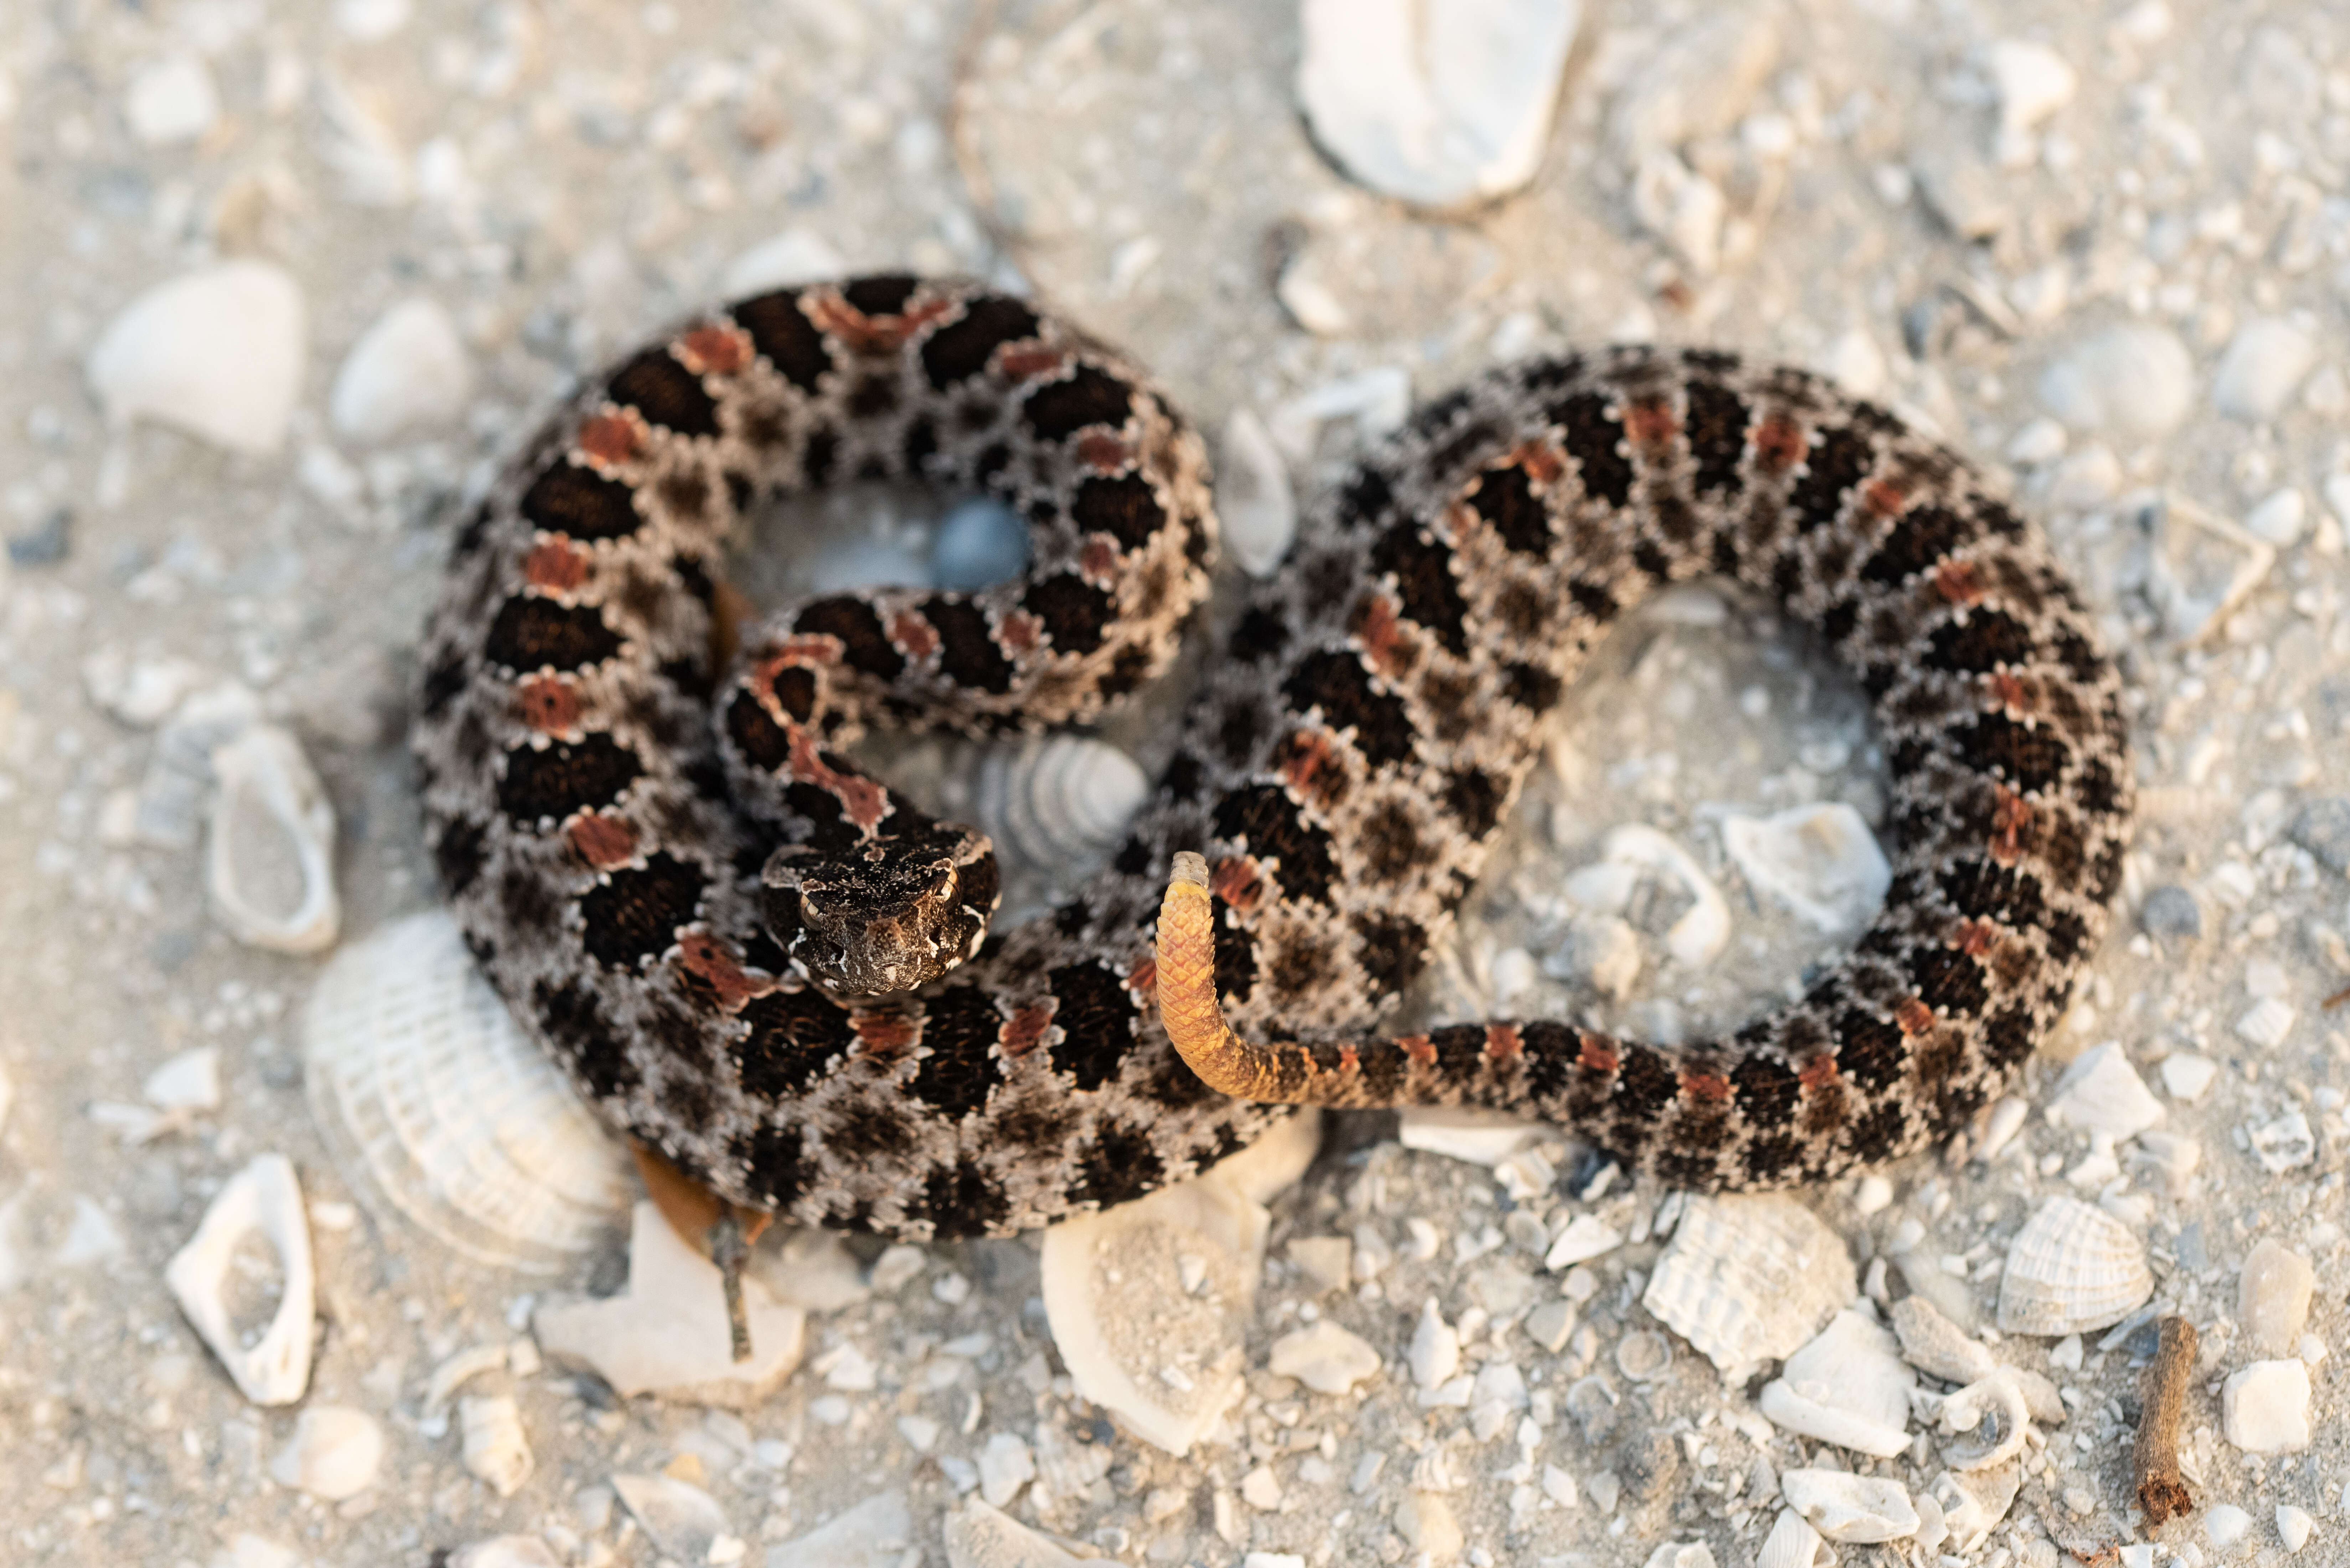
pixel 759 961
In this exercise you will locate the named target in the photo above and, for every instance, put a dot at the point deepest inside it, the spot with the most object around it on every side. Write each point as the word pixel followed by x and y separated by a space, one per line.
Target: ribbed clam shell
pixel 1057 805
pixel 1748 1279
pixel 436 1107
pixel 2072 1268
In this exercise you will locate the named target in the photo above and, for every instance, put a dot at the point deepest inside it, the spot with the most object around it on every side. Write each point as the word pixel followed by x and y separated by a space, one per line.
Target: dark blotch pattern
pixel 782 332
pixel 792 1037
pixel 1838 459
pixel 1505 499
pixel 1096 1024
pixel 1060 408
pixel 547 783
pixel 863 644
pixel 881 294
pixel 959 1030
pixel 1073 611
pixel 1918 543
pixel 633 914
pixel 1426 589
pixel 1269 821
pixel 666 393
pixel 1124 507
pixel 967 652
pixel 1716 423
pixel 581 503
pixel 1336 682
pixel 960 349
pixel 1592 437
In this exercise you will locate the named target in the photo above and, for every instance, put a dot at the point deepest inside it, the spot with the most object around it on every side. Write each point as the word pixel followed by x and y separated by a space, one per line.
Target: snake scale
pixel 753 958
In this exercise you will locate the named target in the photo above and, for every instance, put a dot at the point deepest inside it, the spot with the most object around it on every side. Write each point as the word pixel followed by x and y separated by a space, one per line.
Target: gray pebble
pixel 2323 829
pixel 2170 912
pixel 44 543
pixel 980 542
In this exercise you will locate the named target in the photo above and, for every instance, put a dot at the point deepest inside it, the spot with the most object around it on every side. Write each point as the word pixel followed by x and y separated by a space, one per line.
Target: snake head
pixel 885 914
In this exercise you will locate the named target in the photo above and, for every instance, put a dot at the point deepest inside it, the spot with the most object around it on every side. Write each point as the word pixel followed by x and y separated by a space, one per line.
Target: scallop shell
pixel 1057 805
pixel 435 1106
pixel 2072 1268
pixel 1749 1278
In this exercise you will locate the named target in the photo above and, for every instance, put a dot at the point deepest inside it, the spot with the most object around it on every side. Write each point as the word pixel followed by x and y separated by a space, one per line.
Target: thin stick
pixel 2161 1490
pixel 729 1248
pixel 2338 997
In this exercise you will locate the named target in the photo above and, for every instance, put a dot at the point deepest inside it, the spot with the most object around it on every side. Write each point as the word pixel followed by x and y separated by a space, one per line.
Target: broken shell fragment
pixel 1845 1507
pixel 333 1455
pixel 1848 1387
pixel 1991 1415
pixel 1820 862
pixel 438 1110
pixel 271 863
pixel 493 1442
pixel 2072 1268
pixel 264 1200
pixel 1749 1278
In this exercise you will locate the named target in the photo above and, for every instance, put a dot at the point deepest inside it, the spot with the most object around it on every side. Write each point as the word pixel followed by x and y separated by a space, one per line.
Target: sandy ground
pixel 562 180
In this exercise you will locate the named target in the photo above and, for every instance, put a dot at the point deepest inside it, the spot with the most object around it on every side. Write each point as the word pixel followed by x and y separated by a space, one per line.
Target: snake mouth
pixel 885 915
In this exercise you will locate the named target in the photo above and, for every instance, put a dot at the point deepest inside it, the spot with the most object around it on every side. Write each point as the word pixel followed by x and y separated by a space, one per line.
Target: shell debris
pixel 266 1199
pixel 270 865
pixel 1748 1279
pixel 1820 862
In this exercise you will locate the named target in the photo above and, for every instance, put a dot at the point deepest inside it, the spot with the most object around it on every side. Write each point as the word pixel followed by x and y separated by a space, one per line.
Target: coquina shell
pixel 436 1107
pixel 2072 1268
pixel 1058 804
pixel 1749 1278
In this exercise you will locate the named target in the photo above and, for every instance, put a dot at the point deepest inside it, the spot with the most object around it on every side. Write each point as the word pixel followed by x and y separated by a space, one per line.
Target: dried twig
pixel 2338 997
pixel 2161 1490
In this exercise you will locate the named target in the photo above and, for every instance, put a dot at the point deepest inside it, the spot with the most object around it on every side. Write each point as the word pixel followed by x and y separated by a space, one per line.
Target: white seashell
pixel 1324 1357
pixel 2133 379
pixel 2264 362
pixel 1703 929
pixel 2186 1076
pixel 505 1552
pixel 879 1530
pixel 1935 1346
pixel 1749 1278
pixel 408 370
pixel 980 1536
pixel 1974 1504
pixel 1434 106
pixel 1682 1554
pixel 437 1108
pixel 264 1200
pixel 1846 1508
pixel 1149 1303
pixel 2225 1526
pixel 1254 499
pixel 1992 1410
pixel 334 1453
pixel 681 1520
pixel 1434 1354
pixel 216 352
pixel 2100 1093
pixel 981 541
pixel 1378 401
pixel 189 1081
pixel 457 1370
pixel 2070 1269
pixel 1006 1464
pixel 1480 1137
pixel 171 100
pixel 1848 1387
pixel 2284 1144
pixel 1587 1237
pixel 493 1442
pixel 1819 861
pixel 2294 1526
pixel 1794 1543
pixel 2264 1409
pixel 1058 807
pixel 668 1332
pixel 270 865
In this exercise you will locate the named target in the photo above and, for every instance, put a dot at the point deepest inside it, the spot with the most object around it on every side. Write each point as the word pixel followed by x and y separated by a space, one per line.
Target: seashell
pixel 668 1332
pixel 271 864
pixel 408 370
pixel 1465 1132
pixel 1586 1236
pixel 2100 1093
pixel 1324 1357
pixel 1644 1357
pixel 504 1551
pixel 264 1200
pixel 681 1520
pixel 1058 807
pixel 1682 1554
pixel 1435 1353
pixel 1848 1387
pixel 2265 1407
pixel 1254 499
pixel 437 1108
pixel 1794 1543
pixel 333 1455
pixel 2272 1293
pixel 1846 1508
pixel 1151 1302
pixel 1974 1504
pixel 878 1529
pixel 1820 862
pixel 1992 1410
pixel 1749 1278
pixel 1935 1346
pixel 493 1442
pixel 2284 1144
pixel 2070 1268
pixel 216 352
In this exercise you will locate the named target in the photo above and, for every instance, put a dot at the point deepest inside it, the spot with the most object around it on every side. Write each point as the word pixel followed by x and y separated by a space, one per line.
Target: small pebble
pixel 2170 912
pixel 682 1521
pixel 2280 517
pixel 2294 1526
pixel 2225 1525
pixel 333 1454
pixel 2101 1093
pixel 2186 1076
pixel 2266 1408
pixel 2132 379
pixel 409 371
pixel 1435 1352
pixel 1844 1507
pixel 172 100
pixel 1005 1465
pixel 2032 81
pixel 2322 828
pixel 2041 441
pixel 1324 1357
pixel 2273 1295
pixel 2264 362
pixel 979 542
